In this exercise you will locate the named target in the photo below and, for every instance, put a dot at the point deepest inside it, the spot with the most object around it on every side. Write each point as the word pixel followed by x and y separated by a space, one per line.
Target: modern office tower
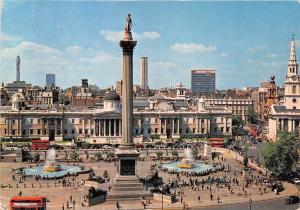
pixel 203 82
pixel 18 61
pixel 144 73
pixel 50 80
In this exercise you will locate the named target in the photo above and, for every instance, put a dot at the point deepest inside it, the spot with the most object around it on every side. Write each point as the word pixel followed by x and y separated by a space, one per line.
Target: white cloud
pixel 69 64
pixel 116 36
pixel 192 48
pixel 257 48
pixel 151 35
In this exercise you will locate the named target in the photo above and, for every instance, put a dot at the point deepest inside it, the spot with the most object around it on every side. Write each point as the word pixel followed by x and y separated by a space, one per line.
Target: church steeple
pixel 293 65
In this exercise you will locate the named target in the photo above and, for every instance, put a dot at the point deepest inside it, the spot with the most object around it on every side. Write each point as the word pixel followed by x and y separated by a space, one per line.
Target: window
pixel 222 129
pixel 156 130
pixel 39 131
pixel 23 132
pixel 222 119
pixel 180 130
pixel 65 131
pixel 294 89
pixel 80 121
pixel 294 100
pixel 73 131
pixel 31 131
pixel 39 121
pixel 202 130
pixel 13 122
pixel 136 131
pixel 80 131
pixel 92 132
pixel 187 130
pixel 194 130
pixel 294 107
pixel 14 132
pixel 73 120
pixel 44 131
pixel 227 129
pixel 149 130
pixel 86 131
pixel 4 130
pixel 155 120
pixel 31 121
pixel 202 120
pixel 215 130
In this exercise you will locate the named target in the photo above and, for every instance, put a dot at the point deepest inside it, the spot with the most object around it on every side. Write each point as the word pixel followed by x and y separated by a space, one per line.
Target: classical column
pixel 104 129
pixel 178 125
pixel 120 127
pixel 127 44
pixel 109 127
pixel 197 125
pixel 115 127
pixel 200 125
pixel 173 126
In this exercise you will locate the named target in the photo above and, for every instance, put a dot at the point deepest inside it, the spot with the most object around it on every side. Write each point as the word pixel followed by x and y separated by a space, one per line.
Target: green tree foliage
pixel 281 156
pixel 110 155
pixel 237 121
pixel 195 152
pixel 98 155
pixel 159 154
pixel 36 157
pixel 74 155
pixel 174 153
pixel 251 115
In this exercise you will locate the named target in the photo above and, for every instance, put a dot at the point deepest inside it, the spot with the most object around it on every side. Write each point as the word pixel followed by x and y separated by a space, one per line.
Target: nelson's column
pixel 127 184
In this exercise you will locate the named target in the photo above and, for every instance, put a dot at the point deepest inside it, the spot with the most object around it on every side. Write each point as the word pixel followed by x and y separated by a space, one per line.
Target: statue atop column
pixel 128 23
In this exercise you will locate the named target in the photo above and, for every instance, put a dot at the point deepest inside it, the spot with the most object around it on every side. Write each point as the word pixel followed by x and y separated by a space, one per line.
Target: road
pixel 263 205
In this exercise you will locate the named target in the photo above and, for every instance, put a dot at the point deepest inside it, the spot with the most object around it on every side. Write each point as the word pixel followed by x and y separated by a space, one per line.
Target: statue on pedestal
pixel 128 23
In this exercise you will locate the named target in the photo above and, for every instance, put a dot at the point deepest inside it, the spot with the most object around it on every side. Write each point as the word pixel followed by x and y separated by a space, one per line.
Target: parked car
pixel 296 181
pixel 292 199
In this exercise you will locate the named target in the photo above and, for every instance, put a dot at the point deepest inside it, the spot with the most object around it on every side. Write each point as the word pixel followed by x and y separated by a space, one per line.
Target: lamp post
pixel 162 201
pixel 250 203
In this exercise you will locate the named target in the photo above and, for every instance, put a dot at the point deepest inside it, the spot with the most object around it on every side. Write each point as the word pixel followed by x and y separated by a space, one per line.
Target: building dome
pixel 112 96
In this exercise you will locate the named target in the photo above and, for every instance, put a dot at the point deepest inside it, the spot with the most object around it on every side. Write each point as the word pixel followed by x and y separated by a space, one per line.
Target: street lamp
pixel 250 203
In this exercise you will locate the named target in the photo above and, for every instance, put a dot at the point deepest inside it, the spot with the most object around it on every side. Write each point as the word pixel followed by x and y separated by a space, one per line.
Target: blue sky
pixel 246 42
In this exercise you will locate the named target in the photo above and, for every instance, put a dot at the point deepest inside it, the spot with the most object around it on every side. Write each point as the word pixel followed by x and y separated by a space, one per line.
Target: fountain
pixel 188 164
pixel 50 163
pixel 188 161
pixel 53 170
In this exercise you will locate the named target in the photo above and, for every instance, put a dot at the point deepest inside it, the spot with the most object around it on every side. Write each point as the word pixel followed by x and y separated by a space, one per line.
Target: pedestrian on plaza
pixel 71 198
pixel 63 207
pixel 20 193
pixel 118 205
pixel 211 197
pixel 67 204
pixel 218 198
pixel 199 198
pixel 74 203
pixel 181 200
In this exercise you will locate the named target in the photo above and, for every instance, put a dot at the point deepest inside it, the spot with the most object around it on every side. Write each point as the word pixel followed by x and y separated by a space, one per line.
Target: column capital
pixel 127 46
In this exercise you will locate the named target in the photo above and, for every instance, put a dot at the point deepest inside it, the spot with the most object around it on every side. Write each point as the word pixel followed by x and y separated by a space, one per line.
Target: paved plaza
pixel 189 191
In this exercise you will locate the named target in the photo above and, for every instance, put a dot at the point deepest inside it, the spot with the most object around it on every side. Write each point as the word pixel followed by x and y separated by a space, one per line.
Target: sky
pixel 245 42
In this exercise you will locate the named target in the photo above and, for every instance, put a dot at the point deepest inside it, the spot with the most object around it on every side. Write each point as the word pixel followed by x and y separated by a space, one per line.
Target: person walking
pixel 211 197
pixel 118 205
pixel 199 198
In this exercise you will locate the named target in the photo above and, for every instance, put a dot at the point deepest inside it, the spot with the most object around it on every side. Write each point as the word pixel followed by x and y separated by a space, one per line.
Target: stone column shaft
pixel 127 90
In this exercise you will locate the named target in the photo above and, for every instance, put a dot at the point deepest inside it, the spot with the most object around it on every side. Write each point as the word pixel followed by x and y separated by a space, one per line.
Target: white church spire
pixel 293 65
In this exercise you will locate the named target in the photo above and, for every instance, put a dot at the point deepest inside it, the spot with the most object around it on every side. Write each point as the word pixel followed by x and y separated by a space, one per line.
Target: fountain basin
pixel 185 163
pixel 178 166
pixel 64 171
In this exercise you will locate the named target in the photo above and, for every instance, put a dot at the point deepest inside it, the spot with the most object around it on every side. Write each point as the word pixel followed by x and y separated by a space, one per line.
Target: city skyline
pixel 80 40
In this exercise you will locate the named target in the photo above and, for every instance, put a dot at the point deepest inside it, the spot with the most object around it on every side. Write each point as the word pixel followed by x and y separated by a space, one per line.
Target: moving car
pixel 292 199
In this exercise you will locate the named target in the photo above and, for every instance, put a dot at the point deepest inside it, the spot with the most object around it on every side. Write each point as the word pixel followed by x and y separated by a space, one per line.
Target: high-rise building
pixel 203 82
pixel 18 61
pixel 50 80
pixel 144 73
pixel 84 83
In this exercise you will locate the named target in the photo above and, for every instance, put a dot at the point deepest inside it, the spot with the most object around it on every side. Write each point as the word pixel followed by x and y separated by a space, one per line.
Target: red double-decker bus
pixel 28 203
pixel 40 144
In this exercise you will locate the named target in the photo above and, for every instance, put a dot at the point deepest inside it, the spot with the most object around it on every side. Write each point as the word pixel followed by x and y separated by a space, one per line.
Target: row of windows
pixel 44 132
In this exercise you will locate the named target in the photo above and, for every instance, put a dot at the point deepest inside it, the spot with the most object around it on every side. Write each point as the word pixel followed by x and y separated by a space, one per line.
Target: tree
pixel 237 121
pixel 98 155
pixel 36 157
pixel 281 156
pixel 159 154
pixel 251 115
pixel 195 152
pixel 174 153
pixel 110 155
pixel 74 155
